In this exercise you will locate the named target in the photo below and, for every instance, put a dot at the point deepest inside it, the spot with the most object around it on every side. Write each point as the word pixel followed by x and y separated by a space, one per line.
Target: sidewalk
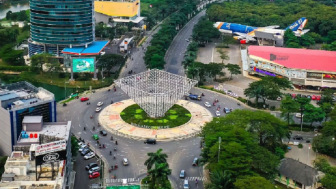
pixel 110 119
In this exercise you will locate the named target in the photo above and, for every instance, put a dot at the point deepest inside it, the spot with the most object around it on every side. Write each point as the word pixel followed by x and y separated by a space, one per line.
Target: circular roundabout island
pixel 125 118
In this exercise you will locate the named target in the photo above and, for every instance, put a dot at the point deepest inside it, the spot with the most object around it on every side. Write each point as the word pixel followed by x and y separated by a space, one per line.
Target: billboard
pixel 50 147
pixel 51 157
pixel 83 64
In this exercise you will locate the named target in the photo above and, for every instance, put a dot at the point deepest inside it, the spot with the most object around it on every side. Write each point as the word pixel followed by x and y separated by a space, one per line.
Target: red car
pixel 313 97
pixel 94 175
pixel 84 99
pixel 318 97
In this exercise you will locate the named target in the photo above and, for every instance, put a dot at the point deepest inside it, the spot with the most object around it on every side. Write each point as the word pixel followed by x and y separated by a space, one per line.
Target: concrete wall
pixel 5 133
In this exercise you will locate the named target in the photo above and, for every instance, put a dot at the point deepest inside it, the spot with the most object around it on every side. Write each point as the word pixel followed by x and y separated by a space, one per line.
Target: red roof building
pixel 304 67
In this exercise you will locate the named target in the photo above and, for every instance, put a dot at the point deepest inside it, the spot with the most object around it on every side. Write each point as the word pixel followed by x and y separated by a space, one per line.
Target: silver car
pixel 94 169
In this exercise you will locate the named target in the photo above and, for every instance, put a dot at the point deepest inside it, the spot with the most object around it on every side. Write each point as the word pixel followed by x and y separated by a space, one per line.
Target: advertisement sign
pixel 51 157
pixel 314 75
pixel 263 72
pixel 329 76
pixel 50 147
pixel 83 64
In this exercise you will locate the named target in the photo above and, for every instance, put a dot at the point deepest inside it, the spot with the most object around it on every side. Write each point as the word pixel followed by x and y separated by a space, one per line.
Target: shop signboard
pixel 329 76
pixel 51 157
pixel 314 75
pixel 263 72
pixel 50 147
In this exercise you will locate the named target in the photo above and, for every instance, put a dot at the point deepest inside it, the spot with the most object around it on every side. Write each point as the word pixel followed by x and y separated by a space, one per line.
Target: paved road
pixel 180 153
pixel 175 54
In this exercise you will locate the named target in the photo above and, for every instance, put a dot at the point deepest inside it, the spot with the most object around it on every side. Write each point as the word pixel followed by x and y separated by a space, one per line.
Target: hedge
pixel 15 68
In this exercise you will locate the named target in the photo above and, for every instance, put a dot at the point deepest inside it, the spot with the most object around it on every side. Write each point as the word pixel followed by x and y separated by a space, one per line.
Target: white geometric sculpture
pixel 155 91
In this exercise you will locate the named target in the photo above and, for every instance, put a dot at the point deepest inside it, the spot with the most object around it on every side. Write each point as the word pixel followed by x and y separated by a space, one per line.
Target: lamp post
pixel 301 120
pixel 65 89
pixel 219 141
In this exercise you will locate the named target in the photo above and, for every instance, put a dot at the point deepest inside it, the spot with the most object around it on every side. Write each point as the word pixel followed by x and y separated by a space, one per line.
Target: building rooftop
pixel 305 59
pixel 32 119
pixel 93 48
pixel 22 95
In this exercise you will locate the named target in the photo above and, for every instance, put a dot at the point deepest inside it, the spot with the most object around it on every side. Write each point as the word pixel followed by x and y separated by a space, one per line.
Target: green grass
pixel 175 116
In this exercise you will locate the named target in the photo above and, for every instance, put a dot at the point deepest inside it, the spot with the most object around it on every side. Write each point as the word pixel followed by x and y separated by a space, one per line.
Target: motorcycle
pixel 64 104
pixel 109 90
pixel 110 153
pixel 91 117
pixel 238 104
pixel 116 166
pixel 114 157
pixel 115 149
pixel 103 145
pixel 116 142
pixel 203 94
pixel 112 138
pixel 84 129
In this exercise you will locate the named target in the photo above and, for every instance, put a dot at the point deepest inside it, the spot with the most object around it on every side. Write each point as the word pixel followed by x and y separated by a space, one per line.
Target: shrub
pixel 300 145
pixel 61 75
pixel 272 108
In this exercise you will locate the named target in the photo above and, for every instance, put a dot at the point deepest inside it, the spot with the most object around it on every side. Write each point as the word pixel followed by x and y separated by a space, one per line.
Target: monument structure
pixel 155 91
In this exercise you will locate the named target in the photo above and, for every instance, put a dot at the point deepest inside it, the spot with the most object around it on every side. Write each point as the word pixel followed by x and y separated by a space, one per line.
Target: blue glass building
pixel 56 24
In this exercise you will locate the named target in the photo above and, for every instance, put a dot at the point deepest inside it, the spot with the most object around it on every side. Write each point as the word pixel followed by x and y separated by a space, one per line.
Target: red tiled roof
pixel 317 60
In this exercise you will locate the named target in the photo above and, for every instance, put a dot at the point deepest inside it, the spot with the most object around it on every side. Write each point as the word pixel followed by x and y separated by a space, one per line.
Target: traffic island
pixel 111 119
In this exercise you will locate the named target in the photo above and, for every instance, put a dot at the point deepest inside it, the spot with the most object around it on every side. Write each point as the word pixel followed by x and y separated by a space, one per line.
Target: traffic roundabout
pixel 111 119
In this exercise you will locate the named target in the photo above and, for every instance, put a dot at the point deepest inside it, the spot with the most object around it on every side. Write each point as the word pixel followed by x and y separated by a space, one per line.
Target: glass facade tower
pixel 61 23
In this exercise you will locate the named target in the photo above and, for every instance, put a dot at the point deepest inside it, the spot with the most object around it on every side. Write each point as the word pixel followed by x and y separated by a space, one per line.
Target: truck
pixel 195 97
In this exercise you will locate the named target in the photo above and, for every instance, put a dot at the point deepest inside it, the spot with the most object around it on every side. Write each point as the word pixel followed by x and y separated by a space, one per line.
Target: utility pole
pixel 219 141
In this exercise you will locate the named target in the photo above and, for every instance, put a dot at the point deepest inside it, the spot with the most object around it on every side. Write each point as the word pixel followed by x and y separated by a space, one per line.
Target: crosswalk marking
pixel 121 180
pixel 194 178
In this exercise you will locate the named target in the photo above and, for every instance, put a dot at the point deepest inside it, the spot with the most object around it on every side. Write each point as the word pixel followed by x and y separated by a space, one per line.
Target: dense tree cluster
pixel 23 15
pixel 329 180
pixel 250 145
pixel 154 56
pixel 204 31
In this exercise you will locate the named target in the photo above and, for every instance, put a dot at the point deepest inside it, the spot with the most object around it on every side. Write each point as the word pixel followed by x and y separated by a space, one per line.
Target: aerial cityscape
pixel 167 94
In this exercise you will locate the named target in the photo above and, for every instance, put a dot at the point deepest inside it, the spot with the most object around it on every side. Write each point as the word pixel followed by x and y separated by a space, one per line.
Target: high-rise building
pixel 57 24
pixel 18 100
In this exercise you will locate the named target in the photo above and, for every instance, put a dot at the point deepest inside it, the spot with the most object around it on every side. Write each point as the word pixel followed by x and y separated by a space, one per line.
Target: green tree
pixel 327 97
pixel 306 40
pixel 223 55
pixel 326 108
pixel 157 61
pixel 203 31
pixel 279 152
pixel 329 180
pixel 227 40
pixel 214 69
pixel 313 114
pixel 74 146
pixel 159 175
pixel 108 61
pixel 331 37
pixel 291 40
pixel 156 157
pixel 220 180
pixel 38 60
pixel 11 56
pixel 255 182
pixel 234 69
pixel 288 106
pixel 302 103
pixel 263 161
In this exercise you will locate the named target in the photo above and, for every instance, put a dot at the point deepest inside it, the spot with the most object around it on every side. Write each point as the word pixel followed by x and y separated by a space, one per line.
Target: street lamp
pixel 65 89
pixel 301 120
pixel 219 141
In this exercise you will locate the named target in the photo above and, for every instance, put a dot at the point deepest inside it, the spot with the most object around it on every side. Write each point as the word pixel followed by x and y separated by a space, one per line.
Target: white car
pixel 217 113
pixel 207 104
pixel 279 98
pixel 98 109
pixel 298 115
pixel 100 103
pixel 89 155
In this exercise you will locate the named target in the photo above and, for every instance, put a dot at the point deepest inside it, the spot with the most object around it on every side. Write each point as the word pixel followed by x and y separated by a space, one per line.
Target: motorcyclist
pixel 110 153
pixel 115 148
pixel 112 138
pixel 114 156
pixel 91 116
pixel 84 128
pixel 94 127
pixel 116 142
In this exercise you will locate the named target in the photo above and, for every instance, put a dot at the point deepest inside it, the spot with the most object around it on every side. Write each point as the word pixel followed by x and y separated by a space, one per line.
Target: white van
pixel 185 184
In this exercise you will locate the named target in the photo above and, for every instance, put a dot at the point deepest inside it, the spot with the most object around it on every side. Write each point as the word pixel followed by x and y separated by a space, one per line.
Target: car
pixel 182 174
pixel 80 143
pixel 227 110
pixel 298 115
pixel 307 141
pixel 217 113
pixel 150 141
pixel 89 155
pixel 313 97
pixel 98 109
pixel 100 103
pixel 91 165
pixel 96 137
pixel 186 184
pixel 94 169
pixel 125 161
pixel 293 95
pixel 94 175
pixel 103 132
pixel 83 99
pixel 298 95
pixel 303 96
pixel 195 162
pixel 82 148
pixel 85 151
pixel 308 96
pixel 318 98
pixel 207 104
pixel 279 98
pixel 296 137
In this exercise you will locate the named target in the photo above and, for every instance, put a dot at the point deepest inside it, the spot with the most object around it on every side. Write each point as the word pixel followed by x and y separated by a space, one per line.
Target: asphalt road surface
pixel 175 54
pixel 180 153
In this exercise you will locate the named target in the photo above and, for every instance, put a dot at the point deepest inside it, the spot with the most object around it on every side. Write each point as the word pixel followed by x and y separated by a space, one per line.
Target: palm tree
pixel 220 180
pixel 159 173
pixel 156 157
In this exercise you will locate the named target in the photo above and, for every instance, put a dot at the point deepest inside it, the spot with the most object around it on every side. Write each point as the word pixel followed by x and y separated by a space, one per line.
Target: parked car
pixel 182 174
pixel 298 115
pixel 98 109
pixel 318 98
pixel 313 97
pixel 91 165
pixel 308 96
pixel 227 110
pixel 195 162
pixel 89 155
pixel 83 99
pixel 94 175
pixel 100 104
pixel 296 137
pixel 186 184
pixel 207 104
pixel 103 132
pixel 94 169
pixel 279 98
pixel 217 113
pixel 150 141
pixel 96 137
pixel 82 148
pixel 125 161
pixel 85 151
